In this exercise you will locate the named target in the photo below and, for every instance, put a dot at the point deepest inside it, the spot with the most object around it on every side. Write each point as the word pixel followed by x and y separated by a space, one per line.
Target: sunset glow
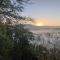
pixel 45 22
pixel 44 12
pixel 38 24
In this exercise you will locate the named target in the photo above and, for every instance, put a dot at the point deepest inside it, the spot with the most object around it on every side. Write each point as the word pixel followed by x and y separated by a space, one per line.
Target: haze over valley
pixel 48 36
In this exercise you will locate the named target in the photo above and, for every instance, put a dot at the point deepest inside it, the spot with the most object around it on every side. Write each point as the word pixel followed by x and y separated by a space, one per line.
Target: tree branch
pixel 1 1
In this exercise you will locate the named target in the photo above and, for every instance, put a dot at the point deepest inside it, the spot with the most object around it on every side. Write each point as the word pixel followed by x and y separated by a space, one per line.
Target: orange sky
pixel 45 22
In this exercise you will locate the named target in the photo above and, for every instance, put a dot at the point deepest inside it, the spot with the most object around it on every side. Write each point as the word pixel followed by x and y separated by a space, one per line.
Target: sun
pixel 39 24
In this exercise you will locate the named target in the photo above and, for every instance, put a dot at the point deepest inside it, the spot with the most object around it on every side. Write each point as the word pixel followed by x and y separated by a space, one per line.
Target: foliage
pixel 12 7
pixel 14 43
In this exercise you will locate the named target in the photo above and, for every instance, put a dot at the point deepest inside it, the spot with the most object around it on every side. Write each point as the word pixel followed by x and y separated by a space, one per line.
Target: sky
pixel 45 10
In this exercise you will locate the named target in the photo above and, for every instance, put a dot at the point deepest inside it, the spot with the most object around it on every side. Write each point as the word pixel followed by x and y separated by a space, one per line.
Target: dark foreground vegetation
pixel 15 45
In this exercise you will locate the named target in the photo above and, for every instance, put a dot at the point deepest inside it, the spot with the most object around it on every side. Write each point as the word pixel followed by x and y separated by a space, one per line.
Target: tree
pixel 21 49
pixel 5 42
pixel 14 40
pixel 14 43
pixel 12 7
